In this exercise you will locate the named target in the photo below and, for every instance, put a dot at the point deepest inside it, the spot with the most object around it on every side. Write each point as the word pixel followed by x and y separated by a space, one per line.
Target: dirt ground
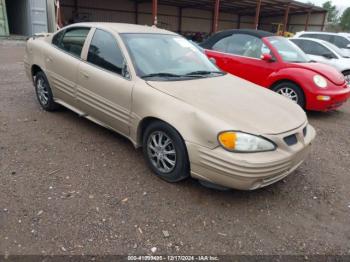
pixel 68 186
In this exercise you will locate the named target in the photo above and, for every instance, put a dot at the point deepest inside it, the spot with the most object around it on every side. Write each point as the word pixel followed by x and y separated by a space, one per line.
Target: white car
pixel 326 53
pixel 341 40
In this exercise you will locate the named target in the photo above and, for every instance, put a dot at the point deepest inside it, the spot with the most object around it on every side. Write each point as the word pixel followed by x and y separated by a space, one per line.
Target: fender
pixel 197 131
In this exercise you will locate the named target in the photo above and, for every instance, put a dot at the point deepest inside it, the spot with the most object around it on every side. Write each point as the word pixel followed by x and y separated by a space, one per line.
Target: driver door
pixel 104 84
pixel 240 55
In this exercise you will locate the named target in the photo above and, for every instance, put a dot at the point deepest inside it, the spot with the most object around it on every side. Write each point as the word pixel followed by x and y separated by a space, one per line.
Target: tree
pixel 333 12
pixel 345 20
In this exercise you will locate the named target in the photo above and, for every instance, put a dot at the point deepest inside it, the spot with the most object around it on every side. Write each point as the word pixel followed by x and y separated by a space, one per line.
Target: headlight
pixel 243 142
pixel 320 81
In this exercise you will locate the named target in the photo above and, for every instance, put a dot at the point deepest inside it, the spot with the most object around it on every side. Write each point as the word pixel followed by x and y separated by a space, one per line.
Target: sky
pixel 341 4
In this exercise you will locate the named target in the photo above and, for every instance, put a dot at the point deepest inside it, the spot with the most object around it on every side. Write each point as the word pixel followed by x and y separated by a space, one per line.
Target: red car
pixel 275 62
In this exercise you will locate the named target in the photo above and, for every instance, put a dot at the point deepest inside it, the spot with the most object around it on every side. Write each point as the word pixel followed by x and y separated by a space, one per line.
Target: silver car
pixel 341 40
pixel 326 53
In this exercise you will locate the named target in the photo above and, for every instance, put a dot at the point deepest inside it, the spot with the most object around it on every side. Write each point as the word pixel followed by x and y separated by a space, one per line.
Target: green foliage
pixel 333 12
pixel 345 20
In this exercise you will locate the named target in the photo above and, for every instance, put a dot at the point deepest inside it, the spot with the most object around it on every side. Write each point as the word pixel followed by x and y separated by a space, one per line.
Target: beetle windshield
pixel 167 56
pixel 289 51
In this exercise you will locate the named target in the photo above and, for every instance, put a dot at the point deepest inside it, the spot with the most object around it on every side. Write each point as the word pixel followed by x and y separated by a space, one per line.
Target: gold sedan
pixel 161 92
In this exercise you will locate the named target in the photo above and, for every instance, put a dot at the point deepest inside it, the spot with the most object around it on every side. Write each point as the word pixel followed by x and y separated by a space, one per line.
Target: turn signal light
pixel 228 140
pixel 323 98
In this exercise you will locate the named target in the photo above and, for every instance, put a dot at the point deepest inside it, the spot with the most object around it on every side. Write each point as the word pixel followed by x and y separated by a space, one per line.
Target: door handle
pixel 49 59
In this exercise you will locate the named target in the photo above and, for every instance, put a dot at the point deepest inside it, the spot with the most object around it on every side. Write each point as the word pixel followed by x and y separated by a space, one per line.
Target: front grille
pixel 291 140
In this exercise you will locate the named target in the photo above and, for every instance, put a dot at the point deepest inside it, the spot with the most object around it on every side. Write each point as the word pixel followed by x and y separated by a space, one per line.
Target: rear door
pixel 62 62
pixel 104 84
pixel 4 30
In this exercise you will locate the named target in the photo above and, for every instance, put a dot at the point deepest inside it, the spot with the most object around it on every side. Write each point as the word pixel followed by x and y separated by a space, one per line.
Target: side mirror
pixel 125 70
pixel 213 60
pixel 267 58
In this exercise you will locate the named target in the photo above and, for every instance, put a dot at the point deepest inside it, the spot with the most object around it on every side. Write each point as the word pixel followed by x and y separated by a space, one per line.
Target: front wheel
pixel 291 91
pixel 165 152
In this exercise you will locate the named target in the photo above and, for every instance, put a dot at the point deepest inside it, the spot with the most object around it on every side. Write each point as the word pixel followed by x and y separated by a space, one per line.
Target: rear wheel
pixel 290 91
pixel 165 152
pixel 347 76
pixel 44 93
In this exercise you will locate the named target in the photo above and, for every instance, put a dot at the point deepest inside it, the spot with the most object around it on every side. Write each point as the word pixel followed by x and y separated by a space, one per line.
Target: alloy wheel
pixel 42 91
pixel 161 151
pixel 289 93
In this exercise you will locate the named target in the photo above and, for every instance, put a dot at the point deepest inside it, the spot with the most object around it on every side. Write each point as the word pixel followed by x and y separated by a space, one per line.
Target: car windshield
pixel 289 51
pixel 168 57
pixel 335 49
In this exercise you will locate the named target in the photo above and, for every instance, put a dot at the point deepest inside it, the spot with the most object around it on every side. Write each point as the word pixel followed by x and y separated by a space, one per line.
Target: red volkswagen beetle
pixel 275 62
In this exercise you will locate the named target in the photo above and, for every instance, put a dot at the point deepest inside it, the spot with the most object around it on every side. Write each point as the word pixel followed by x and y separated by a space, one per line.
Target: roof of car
pixel 126 28
pixel 214 38
pixel 318 32
pixel 310 39
pixel 257 33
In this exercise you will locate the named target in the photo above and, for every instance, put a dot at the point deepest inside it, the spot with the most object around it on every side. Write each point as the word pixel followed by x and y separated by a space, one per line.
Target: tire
pixel 291 91
pixel 44 93
pixel 347 76
pixel 158 139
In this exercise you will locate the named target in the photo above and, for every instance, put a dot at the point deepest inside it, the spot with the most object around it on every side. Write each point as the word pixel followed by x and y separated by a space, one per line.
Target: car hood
pixel 327 71
pixel 241 104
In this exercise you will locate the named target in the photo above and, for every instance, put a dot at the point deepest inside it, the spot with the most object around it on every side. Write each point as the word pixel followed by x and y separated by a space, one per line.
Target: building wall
pixel 193 20
pixel 295 22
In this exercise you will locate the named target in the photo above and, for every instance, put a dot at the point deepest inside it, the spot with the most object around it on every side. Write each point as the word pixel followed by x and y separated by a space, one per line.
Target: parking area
pixel 69 186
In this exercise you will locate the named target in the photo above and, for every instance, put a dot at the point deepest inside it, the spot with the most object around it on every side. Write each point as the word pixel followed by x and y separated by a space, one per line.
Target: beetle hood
pixel 241 104
pixel 327 71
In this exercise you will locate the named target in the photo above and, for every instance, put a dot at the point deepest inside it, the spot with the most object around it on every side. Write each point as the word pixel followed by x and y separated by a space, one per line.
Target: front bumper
pixel 249 171
pixel 326 100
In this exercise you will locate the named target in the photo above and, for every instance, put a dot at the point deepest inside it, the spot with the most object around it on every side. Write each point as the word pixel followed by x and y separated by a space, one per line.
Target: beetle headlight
pixel 320 81
pixel 243 142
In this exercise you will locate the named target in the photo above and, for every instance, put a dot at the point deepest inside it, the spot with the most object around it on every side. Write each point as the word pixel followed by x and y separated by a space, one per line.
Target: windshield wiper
pixel 160 74
pixel 203 73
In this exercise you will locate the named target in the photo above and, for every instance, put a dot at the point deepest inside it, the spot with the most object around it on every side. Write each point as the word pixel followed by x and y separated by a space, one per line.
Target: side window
pixel 306 46
pixel 221 45
pixel 313 48
pixel 243 45
pixel 73 40
pixel 318 36
pixel 301 44
pixel 247 45
pixel 324 37
pixel 105 53
pixel 341 42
